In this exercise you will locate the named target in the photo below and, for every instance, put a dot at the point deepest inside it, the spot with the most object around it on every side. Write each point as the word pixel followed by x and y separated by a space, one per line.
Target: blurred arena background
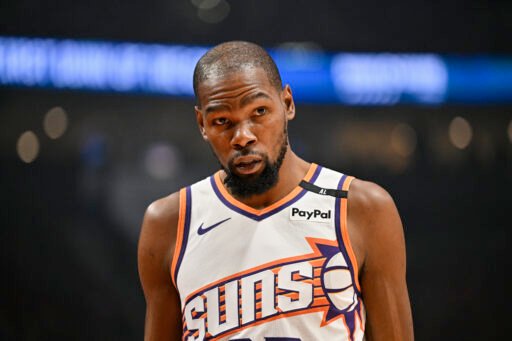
pixel 97 121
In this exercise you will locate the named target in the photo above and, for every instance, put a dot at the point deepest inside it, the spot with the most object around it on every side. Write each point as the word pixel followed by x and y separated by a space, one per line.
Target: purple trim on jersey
pixel 339 236
pixel 270 213
pixel 186 230
pixel 329 252
pixel 330 291
pixel 337 267
pixel 355 306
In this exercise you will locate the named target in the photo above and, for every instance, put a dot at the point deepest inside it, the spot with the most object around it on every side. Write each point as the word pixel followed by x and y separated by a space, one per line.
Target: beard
pixel 247 186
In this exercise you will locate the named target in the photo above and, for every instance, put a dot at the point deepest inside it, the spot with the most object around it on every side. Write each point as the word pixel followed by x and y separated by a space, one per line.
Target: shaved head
pixel 231 57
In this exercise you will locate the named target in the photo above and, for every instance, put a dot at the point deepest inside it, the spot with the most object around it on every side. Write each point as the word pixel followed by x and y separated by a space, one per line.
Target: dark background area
pixel 70 219
pixel 423 26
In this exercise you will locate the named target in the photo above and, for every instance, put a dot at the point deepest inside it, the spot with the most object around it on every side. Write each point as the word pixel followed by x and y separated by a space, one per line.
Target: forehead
pixel 220 84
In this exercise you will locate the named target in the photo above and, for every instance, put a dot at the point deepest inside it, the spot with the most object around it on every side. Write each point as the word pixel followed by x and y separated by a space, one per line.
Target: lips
pixel 247 164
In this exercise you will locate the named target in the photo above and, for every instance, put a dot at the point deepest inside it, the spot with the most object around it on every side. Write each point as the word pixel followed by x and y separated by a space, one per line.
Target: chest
pixel 223 243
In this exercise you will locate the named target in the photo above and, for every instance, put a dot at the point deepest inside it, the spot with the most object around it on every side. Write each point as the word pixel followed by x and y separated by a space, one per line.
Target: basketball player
pixel 270 247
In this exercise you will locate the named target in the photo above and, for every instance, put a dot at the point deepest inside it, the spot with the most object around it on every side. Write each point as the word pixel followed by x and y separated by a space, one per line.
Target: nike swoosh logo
pixel 202 230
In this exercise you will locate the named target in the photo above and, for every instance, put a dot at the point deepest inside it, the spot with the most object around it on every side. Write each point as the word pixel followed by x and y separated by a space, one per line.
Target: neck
pixel 292 171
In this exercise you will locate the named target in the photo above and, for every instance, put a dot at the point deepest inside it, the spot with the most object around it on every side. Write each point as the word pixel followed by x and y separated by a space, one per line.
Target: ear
pixel 200 123
pixel 287 98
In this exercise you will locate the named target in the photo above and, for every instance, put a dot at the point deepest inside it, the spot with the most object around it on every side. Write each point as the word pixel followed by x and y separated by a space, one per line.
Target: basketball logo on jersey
pixel 320 281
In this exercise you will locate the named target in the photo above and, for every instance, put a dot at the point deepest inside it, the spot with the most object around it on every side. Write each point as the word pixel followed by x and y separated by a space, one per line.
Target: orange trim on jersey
pixel 267 209
pixel 344 232
pixel 292 295
pixel 180 232
pixel 320 301
pixel 317 291
pixel 316 263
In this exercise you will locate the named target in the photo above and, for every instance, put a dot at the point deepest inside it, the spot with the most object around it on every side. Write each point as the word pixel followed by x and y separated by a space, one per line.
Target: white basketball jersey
pixel 283 273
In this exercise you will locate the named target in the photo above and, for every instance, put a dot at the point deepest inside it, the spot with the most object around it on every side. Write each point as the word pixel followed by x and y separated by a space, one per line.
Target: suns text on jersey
pixel 288 287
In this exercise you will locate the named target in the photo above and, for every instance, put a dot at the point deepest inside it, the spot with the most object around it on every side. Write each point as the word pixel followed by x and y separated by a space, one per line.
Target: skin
pixel 243 110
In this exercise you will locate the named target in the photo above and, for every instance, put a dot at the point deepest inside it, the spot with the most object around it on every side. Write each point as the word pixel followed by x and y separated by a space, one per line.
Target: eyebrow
pixel 246 100
pixel 215 107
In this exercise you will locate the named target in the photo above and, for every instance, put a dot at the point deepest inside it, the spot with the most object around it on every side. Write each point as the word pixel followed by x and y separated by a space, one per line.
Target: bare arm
pixel 156 247
pixel 378 239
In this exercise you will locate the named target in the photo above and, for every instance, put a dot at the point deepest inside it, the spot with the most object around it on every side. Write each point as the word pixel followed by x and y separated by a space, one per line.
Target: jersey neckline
pixel 260 214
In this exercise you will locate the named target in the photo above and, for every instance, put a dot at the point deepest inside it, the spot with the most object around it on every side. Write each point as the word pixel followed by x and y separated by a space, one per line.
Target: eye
pixel 261 111
pixel 220 121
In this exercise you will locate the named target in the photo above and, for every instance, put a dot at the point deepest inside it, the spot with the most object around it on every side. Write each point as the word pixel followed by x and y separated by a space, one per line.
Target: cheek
pixel 219 143
pixel 277 125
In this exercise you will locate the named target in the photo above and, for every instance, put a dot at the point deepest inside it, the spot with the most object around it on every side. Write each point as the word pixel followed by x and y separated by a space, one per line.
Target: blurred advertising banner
pixel 315 76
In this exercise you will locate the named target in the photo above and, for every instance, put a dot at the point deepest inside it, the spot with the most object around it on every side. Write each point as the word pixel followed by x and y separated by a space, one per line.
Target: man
pixel 271 247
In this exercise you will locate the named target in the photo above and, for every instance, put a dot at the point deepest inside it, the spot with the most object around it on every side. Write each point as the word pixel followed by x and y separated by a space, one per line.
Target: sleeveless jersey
pixel 285 272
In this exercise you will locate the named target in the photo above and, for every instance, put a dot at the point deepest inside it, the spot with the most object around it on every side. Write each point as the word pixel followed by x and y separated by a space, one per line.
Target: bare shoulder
pixel 370 205
pixel 376 228
pixel 373 220
pixel 369 198
pixel 162 214
pixel 159 228
pixel 155 251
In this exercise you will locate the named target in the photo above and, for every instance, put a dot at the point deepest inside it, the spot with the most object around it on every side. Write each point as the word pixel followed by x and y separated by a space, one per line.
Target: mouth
pixel 247 165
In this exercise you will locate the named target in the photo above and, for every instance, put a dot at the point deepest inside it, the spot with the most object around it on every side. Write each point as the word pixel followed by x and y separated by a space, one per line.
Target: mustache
pixel 245 152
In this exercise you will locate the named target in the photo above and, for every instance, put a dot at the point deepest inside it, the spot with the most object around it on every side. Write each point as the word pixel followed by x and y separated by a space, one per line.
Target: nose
pixel 243 136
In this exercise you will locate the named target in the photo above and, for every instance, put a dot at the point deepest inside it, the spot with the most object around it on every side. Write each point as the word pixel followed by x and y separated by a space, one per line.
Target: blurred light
pixel 460 132
pixel 122 67
pixel 205 4
pixel 316 76
pixel 55 122
pixel 300 46
pixel 376 145
pixel 510 131
pixel 403 140
pixel 161 161
pixel 384 78
pixel 28 146
pixel 213 11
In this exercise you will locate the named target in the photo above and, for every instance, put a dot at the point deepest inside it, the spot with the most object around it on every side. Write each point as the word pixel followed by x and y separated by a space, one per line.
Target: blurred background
pixel 97 121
